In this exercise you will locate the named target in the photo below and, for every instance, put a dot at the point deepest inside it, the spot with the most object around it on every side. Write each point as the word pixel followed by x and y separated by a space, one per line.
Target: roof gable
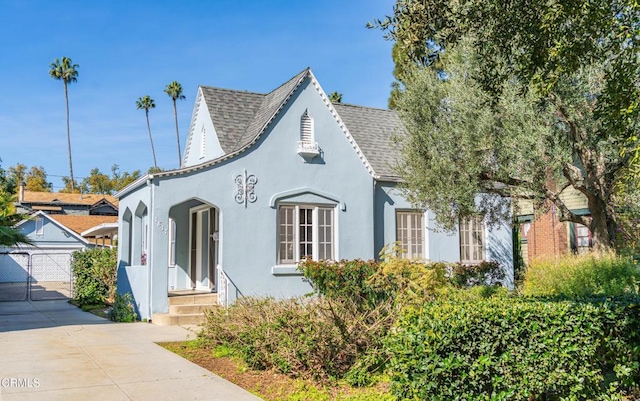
pixel 34 197
pixel 59 224
pixel 239 121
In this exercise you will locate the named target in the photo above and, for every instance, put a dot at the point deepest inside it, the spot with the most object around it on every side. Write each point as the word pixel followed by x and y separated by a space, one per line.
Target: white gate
pixel 37 276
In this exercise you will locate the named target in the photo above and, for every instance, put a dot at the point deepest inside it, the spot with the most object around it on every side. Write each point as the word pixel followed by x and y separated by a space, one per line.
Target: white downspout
pixel 151 241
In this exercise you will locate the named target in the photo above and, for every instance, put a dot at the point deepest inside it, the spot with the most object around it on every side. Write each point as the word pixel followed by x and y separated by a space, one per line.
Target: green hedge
pixel 516 348
pixel 582 275
pixel 94 275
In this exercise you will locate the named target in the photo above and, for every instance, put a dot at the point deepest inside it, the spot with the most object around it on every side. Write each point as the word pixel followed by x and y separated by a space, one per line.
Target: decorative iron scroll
pixel 245 188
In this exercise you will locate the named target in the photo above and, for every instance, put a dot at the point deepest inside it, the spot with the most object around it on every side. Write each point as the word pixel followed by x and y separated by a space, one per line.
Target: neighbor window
pixel 39 226
pixel 305 231
pixel 409 234
pixel 471 240
pixel 583 238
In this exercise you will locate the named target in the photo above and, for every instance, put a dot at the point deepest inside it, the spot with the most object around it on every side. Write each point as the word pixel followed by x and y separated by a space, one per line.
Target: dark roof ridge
pixel 306 70
pixel 363 107
pixel 232 90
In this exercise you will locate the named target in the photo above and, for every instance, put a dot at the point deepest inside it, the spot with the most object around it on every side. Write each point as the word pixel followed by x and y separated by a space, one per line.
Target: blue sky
pixel 128 49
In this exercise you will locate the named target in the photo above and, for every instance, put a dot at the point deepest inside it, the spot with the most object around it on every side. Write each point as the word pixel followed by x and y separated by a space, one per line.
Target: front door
pixel 203 248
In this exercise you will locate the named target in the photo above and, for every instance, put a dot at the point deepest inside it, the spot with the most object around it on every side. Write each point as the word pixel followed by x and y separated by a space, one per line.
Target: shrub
pixel 94 274
pixel 346 279
pixel 516 348
pixel 123 309
pixel 581 275
pixel 300 337
pixel 483 273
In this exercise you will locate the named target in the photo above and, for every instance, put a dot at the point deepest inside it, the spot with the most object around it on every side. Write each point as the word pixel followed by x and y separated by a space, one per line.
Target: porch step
pixel 195 299
pixel 186 308
pixel 170 319
pixel 190 308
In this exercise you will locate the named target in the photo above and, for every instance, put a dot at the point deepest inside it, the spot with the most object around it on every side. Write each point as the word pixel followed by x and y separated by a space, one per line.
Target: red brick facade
pixel 546 236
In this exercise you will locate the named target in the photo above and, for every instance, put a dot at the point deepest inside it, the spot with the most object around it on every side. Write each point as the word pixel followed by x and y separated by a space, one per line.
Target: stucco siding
pixel 52 234
pixel 248 235
pixel 201 148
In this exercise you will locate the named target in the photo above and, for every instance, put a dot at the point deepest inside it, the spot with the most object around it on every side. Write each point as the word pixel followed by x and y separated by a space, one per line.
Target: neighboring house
pixel 64 203
pixel 268 179
pixel 543 234
pixel 45 264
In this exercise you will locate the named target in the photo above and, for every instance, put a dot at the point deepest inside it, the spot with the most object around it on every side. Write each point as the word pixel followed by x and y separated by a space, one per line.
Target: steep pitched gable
pixel 240 118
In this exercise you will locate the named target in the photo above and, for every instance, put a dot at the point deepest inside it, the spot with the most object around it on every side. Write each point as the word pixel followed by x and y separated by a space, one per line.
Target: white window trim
pixel 485 236
pixel 283 267
pixel 425 231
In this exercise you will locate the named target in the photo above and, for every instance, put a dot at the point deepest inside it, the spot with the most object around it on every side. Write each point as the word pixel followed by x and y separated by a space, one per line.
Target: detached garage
pixel 42 271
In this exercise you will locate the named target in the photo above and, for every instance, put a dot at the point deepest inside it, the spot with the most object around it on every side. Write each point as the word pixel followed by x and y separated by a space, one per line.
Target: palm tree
pixel 147 103
pixel 67 72
pixel 174 90
pixel 9 235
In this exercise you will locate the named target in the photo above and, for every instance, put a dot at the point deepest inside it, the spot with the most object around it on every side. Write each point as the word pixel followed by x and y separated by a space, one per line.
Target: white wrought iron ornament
pixel 245 188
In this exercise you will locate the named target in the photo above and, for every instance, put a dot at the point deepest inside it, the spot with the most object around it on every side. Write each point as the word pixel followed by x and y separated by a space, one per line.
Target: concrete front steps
pixel 186 308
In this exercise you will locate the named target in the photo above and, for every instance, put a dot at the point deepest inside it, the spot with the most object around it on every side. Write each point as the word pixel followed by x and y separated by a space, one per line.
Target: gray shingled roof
pixel 240 116
pixel 373 129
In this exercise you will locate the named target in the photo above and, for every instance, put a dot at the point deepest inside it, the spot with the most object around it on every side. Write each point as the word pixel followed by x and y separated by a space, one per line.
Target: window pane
pixel 286 234
pixel 409 234
pixel 306 232
pixel 471 240
pixel 325 228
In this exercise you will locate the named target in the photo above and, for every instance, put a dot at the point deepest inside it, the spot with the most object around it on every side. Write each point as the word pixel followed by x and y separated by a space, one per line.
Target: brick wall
pixel 547 236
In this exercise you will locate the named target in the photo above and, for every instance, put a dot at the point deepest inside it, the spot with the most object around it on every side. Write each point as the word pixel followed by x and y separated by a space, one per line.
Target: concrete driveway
pixel 51 350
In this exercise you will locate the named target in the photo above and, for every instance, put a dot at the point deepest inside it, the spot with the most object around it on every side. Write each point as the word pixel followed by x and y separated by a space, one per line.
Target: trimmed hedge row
pixel 516 348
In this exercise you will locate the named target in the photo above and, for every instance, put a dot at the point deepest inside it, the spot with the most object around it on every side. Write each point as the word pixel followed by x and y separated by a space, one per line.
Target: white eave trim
pixel 342 125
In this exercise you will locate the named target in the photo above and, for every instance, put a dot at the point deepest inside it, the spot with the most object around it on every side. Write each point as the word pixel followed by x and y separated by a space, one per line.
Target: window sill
pixel 286 270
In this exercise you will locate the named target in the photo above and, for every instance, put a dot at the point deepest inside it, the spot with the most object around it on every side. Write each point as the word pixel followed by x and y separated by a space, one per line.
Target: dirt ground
pixel 271 386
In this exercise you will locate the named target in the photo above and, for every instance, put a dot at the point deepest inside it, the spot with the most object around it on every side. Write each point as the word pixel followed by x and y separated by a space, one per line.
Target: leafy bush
pixel 123 309
pixel 516 348
pixel 301 337
pixel 581 275
pixel 94 274
pixel 484 273
pixel 346 279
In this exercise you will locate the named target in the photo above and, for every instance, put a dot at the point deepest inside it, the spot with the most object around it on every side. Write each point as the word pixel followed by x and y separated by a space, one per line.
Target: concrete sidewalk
pixel 51 350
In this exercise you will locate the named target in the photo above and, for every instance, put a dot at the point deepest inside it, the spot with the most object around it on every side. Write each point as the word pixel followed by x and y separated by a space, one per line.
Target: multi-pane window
pixel 471 240
pixel 583 238
pixel 305 231
pixel 410 234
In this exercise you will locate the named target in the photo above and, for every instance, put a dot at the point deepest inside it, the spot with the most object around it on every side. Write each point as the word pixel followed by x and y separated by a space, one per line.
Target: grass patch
pixel 268 384
pixel 98 309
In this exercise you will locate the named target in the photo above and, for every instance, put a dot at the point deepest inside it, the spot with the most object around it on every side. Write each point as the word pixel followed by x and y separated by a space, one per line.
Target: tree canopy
pixel 174 91
pixel 145 103
pixel 517 99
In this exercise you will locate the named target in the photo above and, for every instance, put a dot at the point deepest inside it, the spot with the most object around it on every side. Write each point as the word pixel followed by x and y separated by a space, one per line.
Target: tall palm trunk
pixel 66 98
pixel 155 164
pixel 175 116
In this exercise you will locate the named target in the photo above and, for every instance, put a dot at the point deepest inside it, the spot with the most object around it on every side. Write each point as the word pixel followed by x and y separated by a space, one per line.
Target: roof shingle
pixel 81 223
pixel 57 198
